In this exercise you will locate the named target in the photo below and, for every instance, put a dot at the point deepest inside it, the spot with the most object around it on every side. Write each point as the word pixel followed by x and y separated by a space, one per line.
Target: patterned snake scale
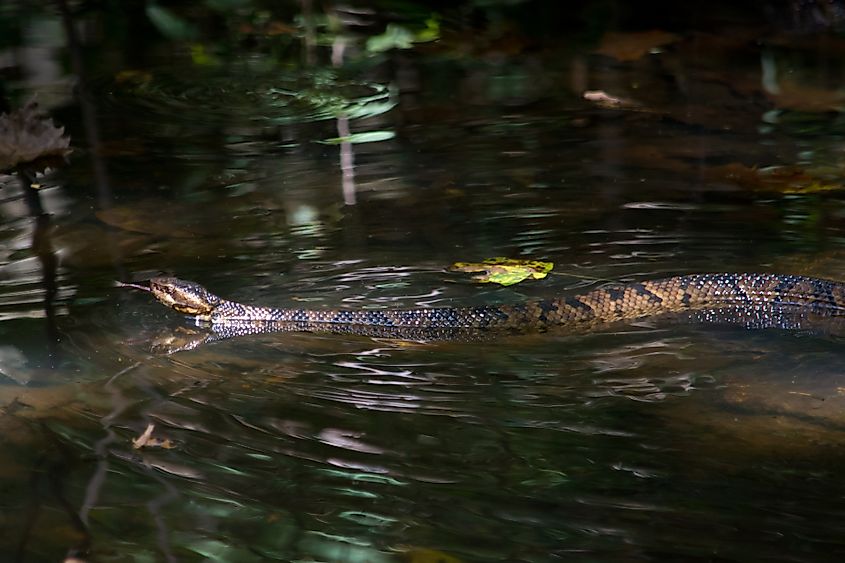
pixel 745 296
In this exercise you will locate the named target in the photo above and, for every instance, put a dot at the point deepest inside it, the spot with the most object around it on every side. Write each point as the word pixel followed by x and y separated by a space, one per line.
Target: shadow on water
pixel 334 157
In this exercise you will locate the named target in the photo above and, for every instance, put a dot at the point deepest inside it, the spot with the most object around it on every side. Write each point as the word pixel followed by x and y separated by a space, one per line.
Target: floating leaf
pixel 133 77
pixel 200 56
pixel 504 271
pixel 367 137
pixel 782 179
pixel 28 138
pixel 146 440
pixel 633 46
pixel 798 95
pixel 606 101
pixel 156 217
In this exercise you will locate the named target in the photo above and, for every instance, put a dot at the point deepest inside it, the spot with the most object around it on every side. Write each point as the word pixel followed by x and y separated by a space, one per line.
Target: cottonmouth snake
pixel 764 297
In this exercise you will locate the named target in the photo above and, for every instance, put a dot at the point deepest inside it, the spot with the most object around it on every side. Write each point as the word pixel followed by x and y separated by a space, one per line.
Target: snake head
pixel 184 296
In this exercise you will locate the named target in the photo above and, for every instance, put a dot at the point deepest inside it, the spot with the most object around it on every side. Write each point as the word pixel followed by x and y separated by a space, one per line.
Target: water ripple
pixel 260 98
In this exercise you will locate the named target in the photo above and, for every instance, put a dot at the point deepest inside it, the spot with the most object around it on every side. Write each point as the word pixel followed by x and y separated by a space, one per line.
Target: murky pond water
pixel 353 180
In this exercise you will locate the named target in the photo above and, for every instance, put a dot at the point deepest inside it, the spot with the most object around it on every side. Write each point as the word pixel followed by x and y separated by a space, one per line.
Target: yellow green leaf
pixel 504 271
pixel 201 56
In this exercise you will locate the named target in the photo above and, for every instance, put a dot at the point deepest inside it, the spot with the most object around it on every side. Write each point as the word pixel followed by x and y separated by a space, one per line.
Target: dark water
pixel 650 441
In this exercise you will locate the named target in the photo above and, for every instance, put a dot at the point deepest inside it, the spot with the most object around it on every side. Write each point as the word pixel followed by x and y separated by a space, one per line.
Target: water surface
pixel 648 441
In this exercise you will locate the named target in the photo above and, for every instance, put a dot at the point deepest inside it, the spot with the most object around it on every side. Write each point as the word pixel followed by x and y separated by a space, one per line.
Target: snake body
pixel 743 296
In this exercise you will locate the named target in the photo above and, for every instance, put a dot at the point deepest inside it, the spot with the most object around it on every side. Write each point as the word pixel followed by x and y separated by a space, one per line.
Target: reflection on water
pixel 248 95
pixel 234 166
pixel 344 444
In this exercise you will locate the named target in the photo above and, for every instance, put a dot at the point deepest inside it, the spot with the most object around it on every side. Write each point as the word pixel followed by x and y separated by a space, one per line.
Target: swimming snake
pixel 743 295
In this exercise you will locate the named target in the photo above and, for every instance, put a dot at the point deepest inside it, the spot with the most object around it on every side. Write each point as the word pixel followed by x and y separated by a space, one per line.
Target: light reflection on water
pixel 648 440
pixel 539 436
pixel 320 442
